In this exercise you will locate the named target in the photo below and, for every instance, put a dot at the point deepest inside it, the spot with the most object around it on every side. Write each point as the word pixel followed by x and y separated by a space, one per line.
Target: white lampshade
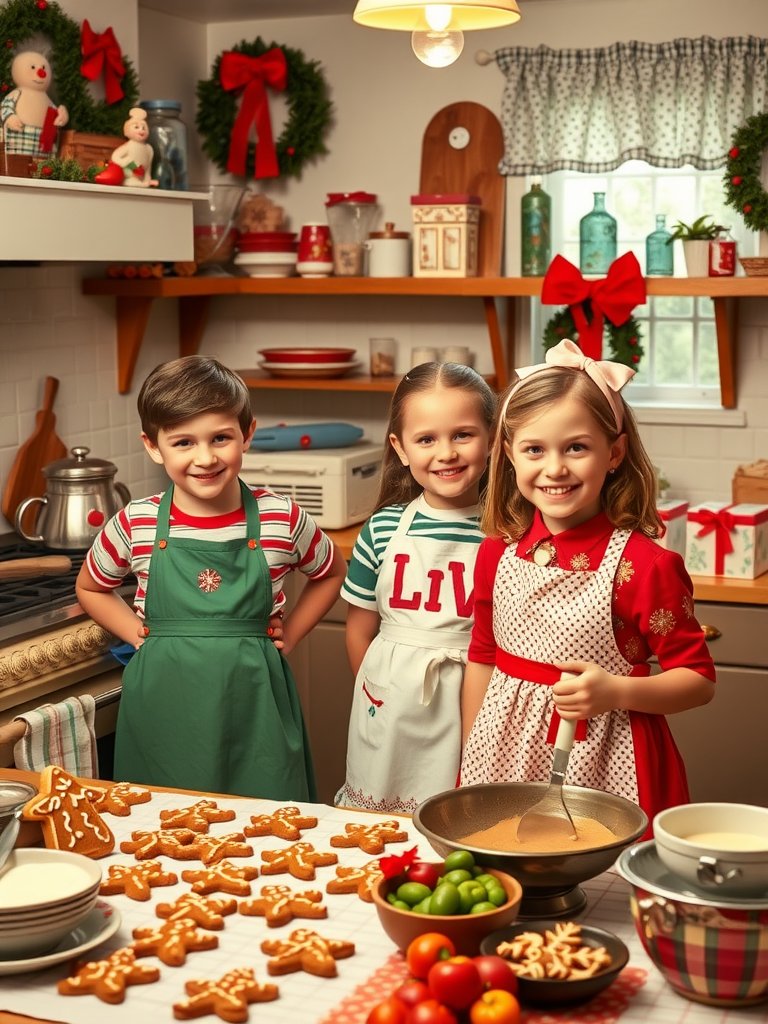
pixel 465 15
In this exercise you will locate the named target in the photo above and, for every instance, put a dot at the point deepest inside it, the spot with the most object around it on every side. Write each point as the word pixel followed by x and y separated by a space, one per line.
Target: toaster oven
pixel 336 486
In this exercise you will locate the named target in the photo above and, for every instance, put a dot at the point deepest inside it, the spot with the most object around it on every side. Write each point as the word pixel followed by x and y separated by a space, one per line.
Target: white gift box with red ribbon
pixel 727 540
pixel 674 515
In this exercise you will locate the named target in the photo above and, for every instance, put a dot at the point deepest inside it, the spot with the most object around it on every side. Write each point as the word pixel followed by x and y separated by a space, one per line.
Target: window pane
pixel 673 345
pixel 673 305
pixel 709 373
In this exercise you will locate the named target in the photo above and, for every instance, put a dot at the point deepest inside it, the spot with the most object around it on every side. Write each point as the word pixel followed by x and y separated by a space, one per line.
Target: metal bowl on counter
pixel 550 880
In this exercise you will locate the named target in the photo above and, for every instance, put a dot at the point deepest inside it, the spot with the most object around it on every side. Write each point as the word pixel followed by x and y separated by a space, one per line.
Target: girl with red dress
pixel 571 583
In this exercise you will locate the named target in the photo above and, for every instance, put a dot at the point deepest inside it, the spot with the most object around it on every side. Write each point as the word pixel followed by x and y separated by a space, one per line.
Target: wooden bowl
pixel 466 931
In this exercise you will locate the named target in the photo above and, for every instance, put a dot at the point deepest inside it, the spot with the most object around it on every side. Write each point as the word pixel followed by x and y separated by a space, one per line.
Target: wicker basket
pixel 754 266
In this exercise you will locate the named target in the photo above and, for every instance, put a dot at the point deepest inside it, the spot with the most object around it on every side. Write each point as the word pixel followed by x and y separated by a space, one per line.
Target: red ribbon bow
pixel 101 54
pixel 723 523
pixel 251 75
pixel 613 296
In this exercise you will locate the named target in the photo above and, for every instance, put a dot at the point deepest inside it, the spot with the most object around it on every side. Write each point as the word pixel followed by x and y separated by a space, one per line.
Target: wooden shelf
pixel 257 380
pixel 134 300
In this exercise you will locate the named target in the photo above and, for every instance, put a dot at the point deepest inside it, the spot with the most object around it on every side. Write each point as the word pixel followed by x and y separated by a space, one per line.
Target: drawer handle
pixel 711 632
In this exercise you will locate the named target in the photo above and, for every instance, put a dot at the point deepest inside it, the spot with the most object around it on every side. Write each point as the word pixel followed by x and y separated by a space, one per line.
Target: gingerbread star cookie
pixel 119 799
pixel 299 860
pixel 198 816
pixel 108 979
pixel 285 823
pixel 223 877
pixel 278 904
pixel 136 880
pixel 228 997
pixel 207 911
pixel 69 820
pixel 361 880
pixel 172 940
pixel 305 950
pixel 370 838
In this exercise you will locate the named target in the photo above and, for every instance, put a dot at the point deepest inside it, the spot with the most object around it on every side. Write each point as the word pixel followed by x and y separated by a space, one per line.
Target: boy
pixel 208 702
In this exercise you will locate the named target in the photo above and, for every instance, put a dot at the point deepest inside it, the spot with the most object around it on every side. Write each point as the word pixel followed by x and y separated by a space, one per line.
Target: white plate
pixel 316 370
pixel 102 922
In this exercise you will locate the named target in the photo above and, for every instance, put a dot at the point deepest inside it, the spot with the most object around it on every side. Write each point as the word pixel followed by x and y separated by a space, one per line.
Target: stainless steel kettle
pixel 81 495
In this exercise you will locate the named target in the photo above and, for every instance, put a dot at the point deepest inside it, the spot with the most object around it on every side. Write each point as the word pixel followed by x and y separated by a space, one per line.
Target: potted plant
pixel 696 238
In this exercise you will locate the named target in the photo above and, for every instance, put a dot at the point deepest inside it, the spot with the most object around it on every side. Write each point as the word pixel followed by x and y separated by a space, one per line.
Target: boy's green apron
pixel 208 702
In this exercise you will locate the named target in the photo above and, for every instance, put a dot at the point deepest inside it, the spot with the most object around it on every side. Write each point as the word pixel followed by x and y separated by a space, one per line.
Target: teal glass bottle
pixel 597 238
pixel 535 212
pixel 659 257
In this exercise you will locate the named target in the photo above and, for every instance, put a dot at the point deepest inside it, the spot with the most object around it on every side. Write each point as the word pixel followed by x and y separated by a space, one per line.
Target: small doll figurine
pixel 28 116
pixel 131 163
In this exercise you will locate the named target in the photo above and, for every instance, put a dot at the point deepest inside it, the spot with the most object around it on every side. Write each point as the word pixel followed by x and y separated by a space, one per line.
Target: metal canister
pixel 535 210
pixel 168 139
pixel 722 255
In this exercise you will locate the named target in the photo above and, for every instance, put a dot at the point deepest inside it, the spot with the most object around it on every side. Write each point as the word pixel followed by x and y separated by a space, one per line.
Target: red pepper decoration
pixel 736 180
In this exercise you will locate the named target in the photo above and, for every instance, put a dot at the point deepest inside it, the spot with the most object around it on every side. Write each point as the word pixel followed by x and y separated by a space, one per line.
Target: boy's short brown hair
pixel 182 388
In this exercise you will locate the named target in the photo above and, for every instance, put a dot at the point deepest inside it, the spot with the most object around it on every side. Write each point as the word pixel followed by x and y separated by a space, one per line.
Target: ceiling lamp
pixel 437 29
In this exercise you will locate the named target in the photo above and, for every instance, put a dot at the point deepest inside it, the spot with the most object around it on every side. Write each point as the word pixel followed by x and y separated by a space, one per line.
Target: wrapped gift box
pixel 674 514
pixel 727 540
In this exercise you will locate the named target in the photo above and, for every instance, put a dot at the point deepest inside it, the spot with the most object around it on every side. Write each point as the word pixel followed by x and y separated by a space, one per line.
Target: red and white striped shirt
pixel 290 539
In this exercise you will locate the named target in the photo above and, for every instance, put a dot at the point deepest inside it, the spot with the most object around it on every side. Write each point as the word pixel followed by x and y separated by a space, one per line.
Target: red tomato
pixel 426 950
pixel 496 973
pixel 431 1012
pixel 391 1011
pixel 455 982
pixel 412 991
pixel 427 874
pixel 495 1007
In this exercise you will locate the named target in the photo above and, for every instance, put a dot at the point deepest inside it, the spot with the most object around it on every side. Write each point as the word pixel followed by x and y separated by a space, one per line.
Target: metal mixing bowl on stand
pixel 550 880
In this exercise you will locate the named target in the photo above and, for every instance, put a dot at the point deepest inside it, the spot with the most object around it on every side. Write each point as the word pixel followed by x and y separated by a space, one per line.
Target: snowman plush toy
pixel 28 115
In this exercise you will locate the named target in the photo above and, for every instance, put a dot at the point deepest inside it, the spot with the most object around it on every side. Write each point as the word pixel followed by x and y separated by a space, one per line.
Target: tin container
pixel 722 256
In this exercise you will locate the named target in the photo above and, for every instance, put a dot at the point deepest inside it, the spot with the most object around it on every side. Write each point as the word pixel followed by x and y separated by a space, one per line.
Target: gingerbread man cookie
pixel 285 823
pixel 119 799
pixel 278 905
pixel 223 877
pixel 198 817
pixel 136 880
pixel 172 842
pixel 370 838
pixel 172 940
pixel 212 849
pixel 361 880
pixel 64 807
pixel 228 997
pixel 300 860
pixel 305 950
pixel 108 979
pixel 206 911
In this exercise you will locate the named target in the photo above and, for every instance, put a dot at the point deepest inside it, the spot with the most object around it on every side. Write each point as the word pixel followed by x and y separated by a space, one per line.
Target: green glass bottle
pixel 535 211
pixel 597 238
pixel 659 258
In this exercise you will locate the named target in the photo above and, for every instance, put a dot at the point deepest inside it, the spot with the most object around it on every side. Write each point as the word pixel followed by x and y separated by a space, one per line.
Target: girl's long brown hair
pixel 397 486
pixel 628 496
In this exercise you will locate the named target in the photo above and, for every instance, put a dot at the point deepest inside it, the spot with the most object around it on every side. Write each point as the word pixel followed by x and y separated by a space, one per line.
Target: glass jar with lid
pixel 168 139
pixel 350 217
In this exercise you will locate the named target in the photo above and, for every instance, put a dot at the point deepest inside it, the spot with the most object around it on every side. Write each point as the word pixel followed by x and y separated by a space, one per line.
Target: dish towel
pixel 60 734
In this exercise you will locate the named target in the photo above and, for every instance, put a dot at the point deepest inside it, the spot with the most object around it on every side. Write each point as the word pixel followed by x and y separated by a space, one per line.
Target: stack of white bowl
pixel 44 895
pixel 267 253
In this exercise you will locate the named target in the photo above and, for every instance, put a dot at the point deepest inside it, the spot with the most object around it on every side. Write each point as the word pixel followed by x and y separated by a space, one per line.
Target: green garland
pixel 743 189
pixel 56 169
pixel 22 20
pixel 309 112
pixel 624 341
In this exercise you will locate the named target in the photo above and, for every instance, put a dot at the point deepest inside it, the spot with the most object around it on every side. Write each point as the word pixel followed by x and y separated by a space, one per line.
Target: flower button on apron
pixel 208 580
pixel 544 553
pixel 253 544
pixel 162 543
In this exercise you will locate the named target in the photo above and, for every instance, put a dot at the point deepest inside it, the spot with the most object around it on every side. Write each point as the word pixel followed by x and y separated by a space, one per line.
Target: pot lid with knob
pixel 79 467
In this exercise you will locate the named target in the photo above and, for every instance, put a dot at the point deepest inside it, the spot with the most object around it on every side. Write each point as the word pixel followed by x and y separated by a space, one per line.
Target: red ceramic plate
pixel 307 355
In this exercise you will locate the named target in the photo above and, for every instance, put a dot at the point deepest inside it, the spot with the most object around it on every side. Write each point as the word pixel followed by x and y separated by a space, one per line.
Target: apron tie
pixel 448 645
pixel 207 627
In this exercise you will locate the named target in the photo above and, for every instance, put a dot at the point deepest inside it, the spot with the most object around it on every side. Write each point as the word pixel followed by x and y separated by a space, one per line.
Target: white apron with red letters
pixel 405 724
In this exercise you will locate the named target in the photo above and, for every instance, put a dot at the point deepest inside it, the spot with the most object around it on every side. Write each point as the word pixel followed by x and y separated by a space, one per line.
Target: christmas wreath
pixel 23 20
pixel 624 341
pixel 246 69
pixel 743 188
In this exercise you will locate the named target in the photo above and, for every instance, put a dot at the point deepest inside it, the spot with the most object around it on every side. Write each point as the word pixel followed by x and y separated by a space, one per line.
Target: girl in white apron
pixel 410 591
pixel 569 581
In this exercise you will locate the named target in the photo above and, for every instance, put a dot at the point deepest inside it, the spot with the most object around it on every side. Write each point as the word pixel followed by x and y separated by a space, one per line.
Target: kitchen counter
pixel 639 995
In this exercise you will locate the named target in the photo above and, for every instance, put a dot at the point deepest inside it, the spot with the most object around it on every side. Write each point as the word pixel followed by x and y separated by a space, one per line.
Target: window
pixel 680 365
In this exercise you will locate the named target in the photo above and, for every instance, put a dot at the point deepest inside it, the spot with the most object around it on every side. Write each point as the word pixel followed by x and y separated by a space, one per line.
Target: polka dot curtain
pixel 668 103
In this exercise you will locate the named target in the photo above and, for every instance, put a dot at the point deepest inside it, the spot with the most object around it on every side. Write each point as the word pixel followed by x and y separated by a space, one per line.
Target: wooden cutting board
pixel 460 152
pixel 43 446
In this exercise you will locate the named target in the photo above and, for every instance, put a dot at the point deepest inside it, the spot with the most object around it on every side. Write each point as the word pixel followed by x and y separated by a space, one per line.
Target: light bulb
pixel 438 16
pixel 437 49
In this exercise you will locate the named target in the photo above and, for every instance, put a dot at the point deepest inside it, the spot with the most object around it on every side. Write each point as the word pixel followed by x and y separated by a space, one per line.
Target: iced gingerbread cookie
pixel 285 823
pixel 207 911
pixel 360 880
pixel 223 877
pixel 228 997
pixel 108 979
pixel 213 849
pixel 304 950
pixel 175 843
pixel 299 860
pixel 64 807
pixel 370 838
pixel 136 880
pixel 278 904
pixel 197 817
pixel 119 799
pixel 172 940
